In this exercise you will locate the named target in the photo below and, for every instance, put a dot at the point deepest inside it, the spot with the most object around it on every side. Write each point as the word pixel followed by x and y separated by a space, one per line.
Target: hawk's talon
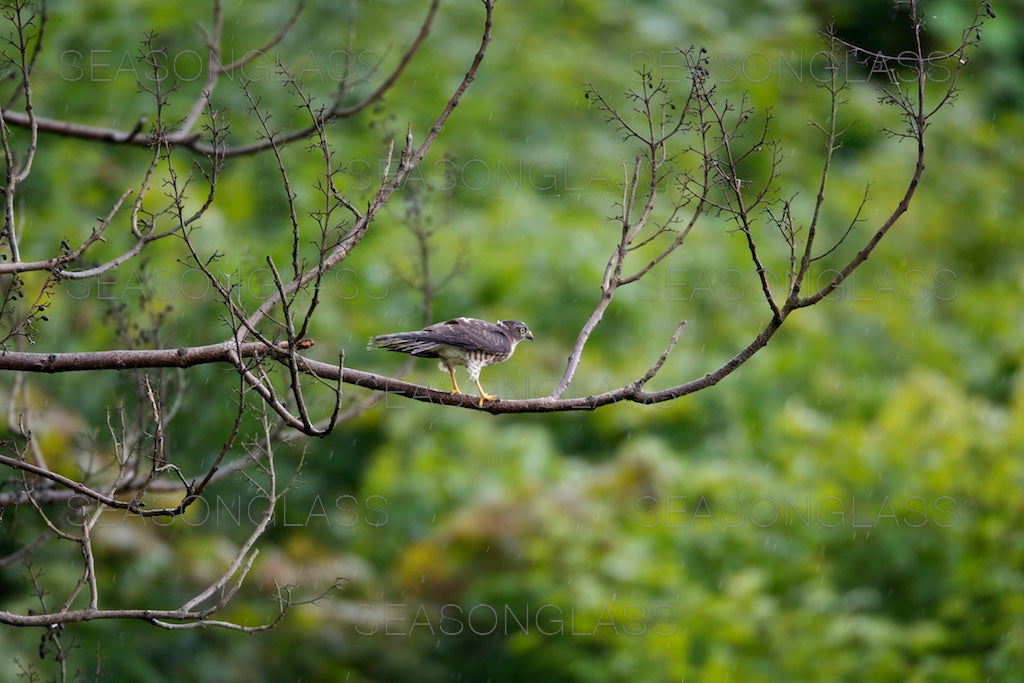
pixel 484 396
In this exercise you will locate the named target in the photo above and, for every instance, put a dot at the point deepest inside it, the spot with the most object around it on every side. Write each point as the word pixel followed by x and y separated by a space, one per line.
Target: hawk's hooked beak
pixel 529 335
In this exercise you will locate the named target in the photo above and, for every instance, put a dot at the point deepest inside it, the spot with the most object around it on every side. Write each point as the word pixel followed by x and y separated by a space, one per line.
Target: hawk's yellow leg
pixel 484 396
pixel 455 385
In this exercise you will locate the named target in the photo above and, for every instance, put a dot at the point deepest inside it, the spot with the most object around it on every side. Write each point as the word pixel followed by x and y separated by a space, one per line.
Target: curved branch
pixel 225 352
pixel 186 139
pixel 410 158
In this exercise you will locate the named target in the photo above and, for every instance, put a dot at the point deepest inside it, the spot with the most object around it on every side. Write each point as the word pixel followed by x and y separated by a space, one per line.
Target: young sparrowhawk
pixel 468 342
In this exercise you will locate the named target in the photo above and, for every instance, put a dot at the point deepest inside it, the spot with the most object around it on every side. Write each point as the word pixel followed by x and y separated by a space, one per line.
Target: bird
pixel 469 342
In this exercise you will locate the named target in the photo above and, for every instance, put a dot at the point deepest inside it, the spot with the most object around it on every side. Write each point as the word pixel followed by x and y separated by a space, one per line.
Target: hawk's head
pixel 516 330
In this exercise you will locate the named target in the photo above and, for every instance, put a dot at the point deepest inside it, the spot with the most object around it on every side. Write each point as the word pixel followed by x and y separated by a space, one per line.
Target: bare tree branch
pixel 186 138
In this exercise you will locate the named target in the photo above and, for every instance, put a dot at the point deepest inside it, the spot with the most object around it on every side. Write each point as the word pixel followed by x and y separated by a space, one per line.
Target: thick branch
pixel 225 353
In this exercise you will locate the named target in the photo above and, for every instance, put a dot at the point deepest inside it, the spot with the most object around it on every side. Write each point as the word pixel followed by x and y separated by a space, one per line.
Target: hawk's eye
pixel 522 330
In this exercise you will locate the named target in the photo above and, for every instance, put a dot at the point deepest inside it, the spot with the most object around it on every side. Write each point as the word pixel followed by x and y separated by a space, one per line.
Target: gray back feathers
pixel 468 334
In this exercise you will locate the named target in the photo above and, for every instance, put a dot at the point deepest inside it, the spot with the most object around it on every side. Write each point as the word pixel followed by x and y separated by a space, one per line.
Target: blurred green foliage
pixel 847 507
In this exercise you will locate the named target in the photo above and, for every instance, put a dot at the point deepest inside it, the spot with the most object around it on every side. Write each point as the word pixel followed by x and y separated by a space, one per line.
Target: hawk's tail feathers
pixel 403 342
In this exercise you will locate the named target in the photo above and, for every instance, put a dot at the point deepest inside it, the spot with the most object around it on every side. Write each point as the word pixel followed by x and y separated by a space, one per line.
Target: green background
pixel 846 507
